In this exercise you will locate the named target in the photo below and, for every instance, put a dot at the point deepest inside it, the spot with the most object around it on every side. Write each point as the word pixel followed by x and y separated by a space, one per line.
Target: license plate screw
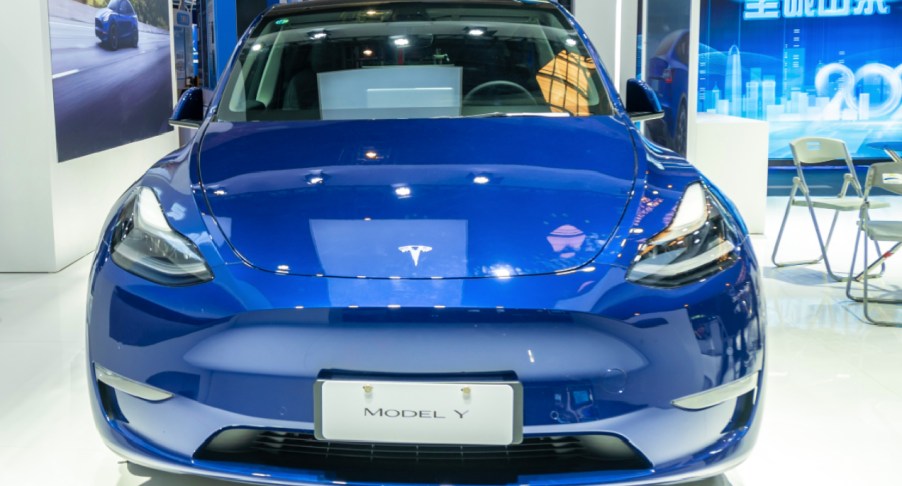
pixel 368 389
pixel 466 391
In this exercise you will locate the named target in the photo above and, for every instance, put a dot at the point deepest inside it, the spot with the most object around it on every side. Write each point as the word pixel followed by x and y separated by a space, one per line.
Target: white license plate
pixel 419 413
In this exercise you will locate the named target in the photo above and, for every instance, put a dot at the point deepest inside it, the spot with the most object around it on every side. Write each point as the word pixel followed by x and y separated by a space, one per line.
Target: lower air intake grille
pixel 402 463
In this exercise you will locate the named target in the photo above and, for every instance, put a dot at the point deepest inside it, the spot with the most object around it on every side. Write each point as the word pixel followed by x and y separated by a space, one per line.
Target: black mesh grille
pixel 404 463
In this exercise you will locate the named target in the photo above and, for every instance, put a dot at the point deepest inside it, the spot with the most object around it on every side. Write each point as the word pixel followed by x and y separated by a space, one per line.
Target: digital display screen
pixel 827 68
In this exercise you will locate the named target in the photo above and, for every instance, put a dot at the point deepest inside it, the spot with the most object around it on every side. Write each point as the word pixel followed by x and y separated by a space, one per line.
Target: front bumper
pixel 604 359
pixel 101 30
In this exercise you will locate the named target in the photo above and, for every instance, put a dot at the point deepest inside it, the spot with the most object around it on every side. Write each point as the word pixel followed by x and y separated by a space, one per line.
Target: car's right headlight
pixel 143 243
pixel 698 242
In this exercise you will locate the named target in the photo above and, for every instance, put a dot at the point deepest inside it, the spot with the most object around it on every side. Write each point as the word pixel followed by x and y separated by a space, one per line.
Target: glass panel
pixel 414 60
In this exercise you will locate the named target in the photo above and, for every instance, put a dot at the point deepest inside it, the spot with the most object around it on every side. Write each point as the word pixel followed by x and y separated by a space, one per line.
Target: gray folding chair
pixel 808 151
pixel 886 176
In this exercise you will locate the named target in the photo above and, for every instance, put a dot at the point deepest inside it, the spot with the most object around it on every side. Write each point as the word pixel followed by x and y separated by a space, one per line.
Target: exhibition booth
pixel 631 238
pixel 803 70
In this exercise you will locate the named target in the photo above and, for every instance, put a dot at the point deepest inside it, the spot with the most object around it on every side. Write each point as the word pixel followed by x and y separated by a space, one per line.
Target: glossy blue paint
pixel 534 209
pixel 190 108
pixel 594 352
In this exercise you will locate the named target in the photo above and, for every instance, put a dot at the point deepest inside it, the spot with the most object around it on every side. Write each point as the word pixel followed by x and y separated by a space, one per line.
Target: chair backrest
pixel 818 150
pixel 886 176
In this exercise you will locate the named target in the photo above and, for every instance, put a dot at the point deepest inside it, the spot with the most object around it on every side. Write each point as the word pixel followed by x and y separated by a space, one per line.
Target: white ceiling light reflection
pixel 476 31
pixel 257 47
pixel 481 179
pixel 402 42
pixel 502 271
pixel 368 52
pixel 176 212
pixel 571 42
pixel 318 34
pixel 403 191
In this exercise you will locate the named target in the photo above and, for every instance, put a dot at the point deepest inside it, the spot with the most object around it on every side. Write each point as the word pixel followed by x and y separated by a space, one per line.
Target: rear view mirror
pixel 189 112
pixel 641 102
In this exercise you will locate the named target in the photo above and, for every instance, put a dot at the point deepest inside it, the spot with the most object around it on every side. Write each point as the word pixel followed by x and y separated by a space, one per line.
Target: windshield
pixel 413 60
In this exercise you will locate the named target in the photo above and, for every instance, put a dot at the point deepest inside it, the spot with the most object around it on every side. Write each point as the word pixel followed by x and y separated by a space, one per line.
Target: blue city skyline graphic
pixel 810 68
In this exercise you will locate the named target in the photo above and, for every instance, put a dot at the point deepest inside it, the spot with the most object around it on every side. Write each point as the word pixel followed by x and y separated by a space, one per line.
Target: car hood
pixel 103 14
pixel 439 198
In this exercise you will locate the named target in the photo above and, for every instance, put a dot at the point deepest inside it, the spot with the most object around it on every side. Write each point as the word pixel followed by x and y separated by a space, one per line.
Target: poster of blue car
pixel 112 81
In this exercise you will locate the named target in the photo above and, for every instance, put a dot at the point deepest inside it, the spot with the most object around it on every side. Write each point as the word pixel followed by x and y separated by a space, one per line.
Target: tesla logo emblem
pixel 415 252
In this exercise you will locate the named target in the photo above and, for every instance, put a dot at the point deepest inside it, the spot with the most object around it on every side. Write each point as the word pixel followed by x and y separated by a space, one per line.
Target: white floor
pixel 833 411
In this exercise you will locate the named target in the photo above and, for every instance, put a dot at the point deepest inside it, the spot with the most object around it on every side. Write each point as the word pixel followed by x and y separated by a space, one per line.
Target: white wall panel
pixel 611 25
pixel 51 213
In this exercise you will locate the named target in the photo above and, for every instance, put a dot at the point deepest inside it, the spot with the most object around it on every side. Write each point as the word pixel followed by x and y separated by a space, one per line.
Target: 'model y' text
pixel 412 414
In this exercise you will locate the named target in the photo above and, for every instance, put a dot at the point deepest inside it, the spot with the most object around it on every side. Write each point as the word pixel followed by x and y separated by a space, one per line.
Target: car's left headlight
pixel 145 244
pixel 698 242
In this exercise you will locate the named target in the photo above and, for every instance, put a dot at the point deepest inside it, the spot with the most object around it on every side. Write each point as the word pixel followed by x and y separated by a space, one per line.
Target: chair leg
pixel 826 246
pixel 773 257
pixel 865 277
pixel 820 241
pixel 830 233
pixel 881 262
pixel 852 269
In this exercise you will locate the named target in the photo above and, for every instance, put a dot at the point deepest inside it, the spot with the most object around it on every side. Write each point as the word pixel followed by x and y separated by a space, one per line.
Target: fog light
pixel 129 386
pixel 718 395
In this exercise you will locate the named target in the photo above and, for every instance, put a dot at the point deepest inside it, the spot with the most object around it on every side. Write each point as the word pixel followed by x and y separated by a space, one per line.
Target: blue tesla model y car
pixel 423 242
pixel 117 25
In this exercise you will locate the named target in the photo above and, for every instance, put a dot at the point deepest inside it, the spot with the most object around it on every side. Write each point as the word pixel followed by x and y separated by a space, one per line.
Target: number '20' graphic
pixel 845 94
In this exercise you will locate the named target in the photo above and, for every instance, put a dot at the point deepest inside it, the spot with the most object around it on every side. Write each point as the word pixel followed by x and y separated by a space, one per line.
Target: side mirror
pixel 189 112
pixel 642 102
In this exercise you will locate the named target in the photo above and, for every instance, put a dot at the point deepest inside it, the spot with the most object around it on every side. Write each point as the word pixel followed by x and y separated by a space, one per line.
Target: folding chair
pixel 886 176
pixel 814 150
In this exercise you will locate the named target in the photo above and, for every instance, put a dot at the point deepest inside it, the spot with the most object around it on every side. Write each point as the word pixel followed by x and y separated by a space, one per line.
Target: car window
pixel 414 60
pixel 114 5
pixel 126 8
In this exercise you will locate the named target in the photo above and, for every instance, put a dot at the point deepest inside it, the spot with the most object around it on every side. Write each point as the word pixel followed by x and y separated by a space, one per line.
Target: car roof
pixel 317 4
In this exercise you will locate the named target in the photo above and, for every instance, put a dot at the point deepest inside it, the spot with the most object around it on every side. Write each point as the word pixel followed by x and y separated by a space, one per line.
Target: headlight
pixel 699 242
pixel 143 243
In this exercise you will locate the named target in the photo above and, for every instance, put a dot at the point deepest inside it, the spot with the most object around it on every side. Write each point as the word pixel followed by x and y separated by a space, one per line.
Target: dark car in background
pixel 117 25
pixel 668 74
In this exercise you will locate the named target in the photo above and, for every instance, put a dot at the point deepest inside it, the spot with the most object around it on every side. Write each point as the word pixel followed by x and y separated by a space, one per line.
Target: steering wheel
pixel 498 82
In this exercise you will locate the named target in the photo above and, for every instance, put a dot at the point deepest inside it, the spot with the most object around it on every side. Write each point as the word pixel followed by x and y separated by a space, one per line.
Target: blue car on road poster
pixel 106 93
pixel 117 25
